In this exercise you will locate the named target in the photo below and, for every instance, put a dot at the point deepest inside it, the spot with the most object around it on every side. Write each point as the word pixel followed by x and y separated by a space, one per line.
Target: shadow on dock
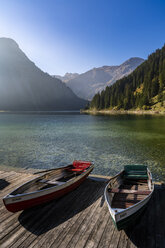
pixel 3 184
pixel 79 219
pixel 39 220
pixel 149 229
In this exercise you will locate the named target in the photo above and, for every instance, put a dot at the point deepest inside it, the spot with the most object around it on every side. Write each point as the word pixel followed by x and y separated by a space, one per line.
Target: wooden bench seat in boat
pixel 51 182
pixel 123 204
pixel 129 191
pixel 78 170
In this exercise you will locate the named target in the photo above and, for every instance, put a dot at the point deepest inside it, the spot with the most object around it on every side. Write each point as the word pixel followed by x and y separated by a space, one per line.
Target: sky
pixel 62 36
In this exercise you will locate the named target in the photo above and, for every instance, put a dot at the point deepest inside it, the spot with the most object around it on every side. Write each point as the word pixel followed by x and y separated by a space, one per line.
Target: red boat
pixel 51 185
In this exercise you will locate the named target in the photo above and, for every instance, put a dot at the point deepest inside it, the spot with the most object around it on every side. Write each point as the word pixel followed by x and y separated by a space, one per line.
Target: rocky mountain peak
pixel 87 84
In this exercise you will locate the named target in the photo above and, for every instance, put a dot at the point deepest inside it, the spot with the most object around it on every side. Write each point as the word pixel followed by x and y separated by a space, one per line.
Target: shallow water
pixel 47 140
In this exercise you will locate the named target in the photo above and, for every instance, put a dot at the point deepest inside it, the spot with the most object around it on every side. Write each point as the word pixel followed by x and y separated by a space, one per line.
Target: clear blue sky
pixel 76 35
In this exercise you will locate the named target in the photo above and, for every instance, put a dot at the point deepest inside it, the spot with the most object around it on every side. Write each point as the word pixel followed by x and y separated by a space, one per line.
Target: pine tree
pixel 137 89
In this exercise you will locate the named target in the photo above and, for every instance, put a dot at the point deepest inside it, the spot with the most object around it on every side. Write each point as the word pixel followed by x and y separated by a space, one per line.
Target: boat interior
pixel 55 177
pixel 129 187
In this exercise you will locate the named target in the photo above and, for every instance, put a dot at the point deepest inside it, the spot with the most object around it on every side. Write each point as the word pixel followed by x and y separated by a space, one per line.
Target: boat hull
pixel 124 223
pixel 32 201
pixel 131 214
pixel 121 217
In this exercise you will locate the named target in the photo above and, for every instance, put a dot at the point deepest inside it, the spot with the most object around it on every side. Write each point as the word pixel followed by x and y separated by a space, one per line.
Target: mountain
pixel 87 84
pixel 143 89
pixel 67 76
pixel 23 86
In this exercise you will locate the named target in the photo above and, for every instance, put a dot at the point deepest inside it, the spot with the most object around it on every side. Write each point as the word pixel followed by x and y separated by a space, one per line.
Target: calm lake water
pixel 51 140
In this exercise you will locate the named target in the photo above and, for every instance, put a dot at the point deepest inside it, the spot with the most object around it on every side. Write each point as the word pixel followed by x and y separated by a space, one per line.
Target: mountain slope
pixel 67 76
pixel 86 85
pixel 23 86
pixel 144 88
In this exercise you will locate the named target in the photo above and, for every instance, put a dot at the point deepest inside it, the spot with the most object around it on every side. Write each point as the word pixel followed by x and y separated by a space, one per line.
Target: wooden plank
pixel 6 174
pixel 38 226
pixel 12 223
pixel 123 241
pixel 86 236
pixel 72 228
pixel 122 197
pixel 14 183
pixel 3 211
pixel 98 230
pixel 35 224
pixel 52 236
pixel 80 220
pixel 9 225
pixel 79 217
pixel 6 181
pixel 115 239
pixel 9 219
pixel 136 187
pixel 16 230
pixel 140 181
pixel 125 201
pixel 70 236
pixel 107 234
pixel 102 178
pixel 74 232
pixel 131 191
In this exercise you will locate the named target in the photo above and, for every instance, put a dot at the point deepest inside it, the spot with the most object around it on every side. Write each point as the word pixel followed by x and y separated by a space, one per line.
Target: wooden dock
pixel 79 219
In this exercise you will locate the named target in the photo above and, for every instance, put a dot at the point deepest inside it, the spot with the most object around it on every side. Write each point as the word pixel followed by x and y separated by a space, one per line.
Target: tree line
pixel 137 89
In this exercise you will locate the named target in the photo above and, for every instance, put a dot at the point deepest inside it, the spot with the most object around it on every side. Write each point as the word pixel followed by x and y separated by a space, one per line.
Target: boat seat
pixel 135 176
pixel 51 182
pixel 76 170
pixel 135 172
pixel 129 191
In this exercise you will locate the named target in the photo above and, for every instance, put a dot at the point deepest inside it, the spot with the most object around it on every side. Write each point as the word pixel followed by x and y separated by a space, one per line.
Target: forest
pixel 142 89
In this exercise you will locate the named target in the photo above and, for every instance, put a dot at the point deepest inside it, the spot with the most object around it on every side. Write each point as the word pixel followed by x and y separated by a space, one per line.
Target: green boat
pixel 127 194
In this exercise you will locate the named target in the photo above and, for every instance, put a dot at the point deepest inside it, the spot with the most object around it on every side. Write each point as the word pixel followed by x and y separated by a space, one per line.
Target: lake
pixel 48 140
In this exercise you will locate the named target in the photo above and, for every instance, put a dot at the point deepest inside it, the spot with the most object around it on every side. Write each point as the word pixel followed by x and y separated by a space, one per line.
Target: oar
pixel 38 172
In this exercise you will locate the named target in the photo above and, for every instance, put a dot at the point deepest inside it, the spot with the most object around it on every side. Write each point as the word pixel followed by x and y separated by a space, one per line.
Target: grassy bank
pixel 132 111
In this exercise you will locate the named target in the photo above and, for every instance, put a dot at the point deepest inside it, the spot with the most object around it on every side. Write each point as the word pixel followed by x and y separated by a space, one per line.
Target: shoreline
pixel 122 112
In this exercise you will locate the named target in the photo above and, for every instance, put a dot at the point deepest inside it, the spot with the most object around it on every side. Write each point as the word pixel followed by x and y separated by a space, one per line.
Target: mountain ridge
pixel 68 76
pixel 87 84
pixel 143 89
pixel 23 86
